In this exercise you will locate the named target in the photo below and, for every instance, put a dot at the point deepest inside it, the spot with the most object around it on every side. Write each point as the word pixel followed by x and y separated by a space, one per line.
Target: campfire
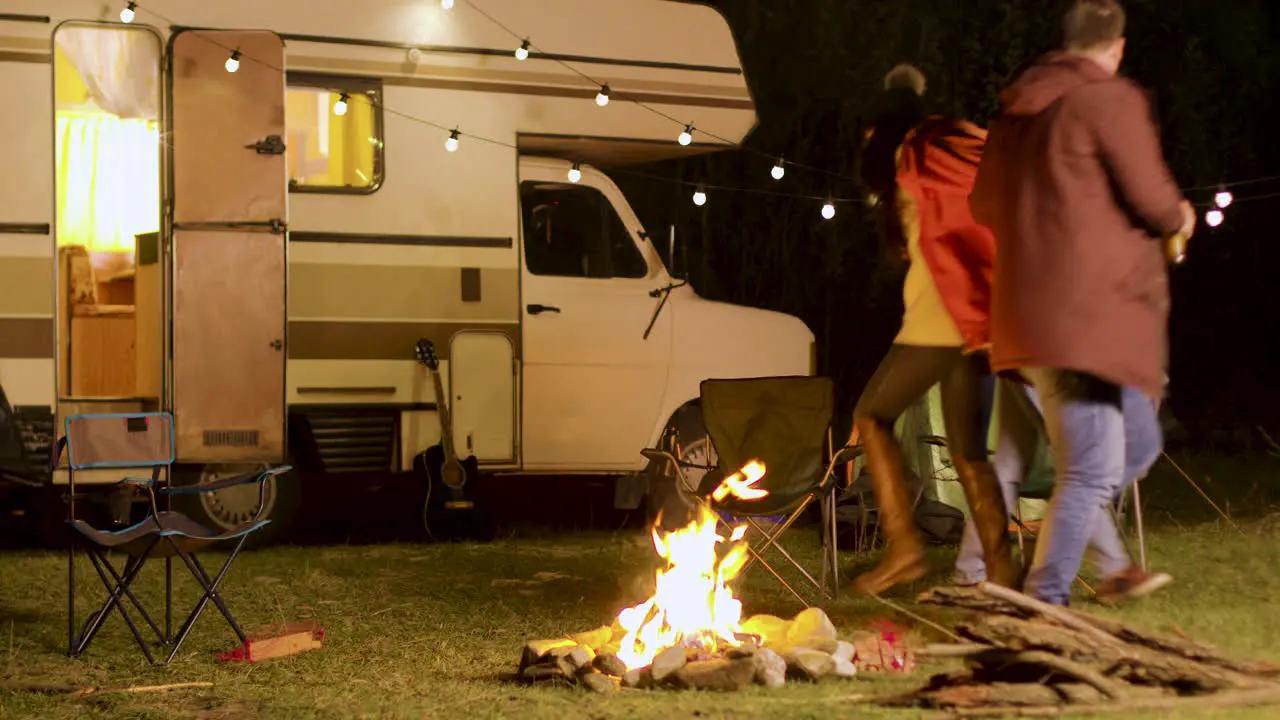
pixel 690 633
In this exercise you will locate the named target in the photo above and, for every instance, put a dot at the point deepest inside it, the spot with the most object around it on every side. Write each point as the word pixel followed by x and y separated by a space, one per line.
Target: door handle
pixel 536 309
pixel 277 344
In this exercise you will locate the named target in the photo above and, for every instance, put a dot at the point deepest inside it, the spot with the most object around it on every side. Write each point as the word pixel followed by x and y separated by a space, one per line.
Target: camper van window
pixel 335 134
pixel 573 231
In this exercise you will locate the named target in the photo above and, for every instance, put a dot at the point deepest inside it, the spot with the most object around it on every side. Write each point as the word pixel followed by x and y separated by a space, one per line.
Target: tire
pixel 685 433
pixel 222 510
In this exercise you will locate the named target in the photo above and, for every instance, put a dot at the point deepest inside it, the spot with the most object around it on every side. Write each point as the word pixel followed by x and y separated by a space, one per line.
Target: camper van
pixel 248 212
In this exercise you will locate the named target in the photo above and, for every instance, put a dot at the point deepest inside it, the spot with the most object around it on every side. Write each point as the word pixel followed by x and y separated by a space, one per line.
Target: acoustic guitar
pixel 448 513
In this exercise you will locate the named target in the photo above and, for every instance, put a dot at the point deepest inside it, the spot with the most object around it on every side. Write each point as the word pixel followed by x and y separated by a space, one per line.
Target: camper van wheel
pixel 686 436
pixel 230 507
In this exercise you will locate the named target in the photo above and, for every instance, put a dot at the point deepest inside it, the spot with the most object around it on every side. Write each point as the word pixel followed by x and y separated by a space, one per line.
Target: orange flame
pixel 740 487
pixel 692 605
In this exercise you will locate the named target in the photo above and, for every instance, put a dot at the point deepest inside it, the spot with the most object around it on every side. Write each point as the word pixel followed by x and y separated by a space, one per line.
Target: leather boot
pixel 991 518
pixel 904 558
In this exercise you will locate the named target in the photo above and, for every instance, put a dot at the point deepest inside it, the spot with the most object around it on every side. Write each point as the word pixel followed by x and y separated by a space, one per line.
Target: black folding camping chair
pixel 144 441
pixel 783 423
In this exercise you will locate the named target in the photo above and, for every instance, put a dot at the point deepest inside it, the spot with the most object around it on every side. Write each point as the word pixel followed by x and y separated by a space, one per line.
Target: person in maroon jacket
pixel 1074 185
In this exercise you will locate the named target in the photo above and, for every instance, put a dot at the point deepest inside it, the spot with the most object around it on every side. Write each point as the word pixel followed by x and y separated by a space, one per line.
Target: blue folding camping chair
pixel 144 442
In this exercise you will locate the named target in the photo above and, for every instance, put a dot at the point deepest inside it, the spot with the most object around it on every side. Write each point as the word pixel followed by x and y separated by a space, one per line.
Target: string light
pixel 1214 217
pixel 340 107
pixel 575 173
pixel 602 97
pixel 700 196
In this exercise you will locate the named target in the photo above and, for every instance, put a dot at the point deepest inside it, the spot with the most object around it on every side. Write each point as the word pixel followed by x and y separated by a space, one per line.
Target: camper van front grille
pixel 231 438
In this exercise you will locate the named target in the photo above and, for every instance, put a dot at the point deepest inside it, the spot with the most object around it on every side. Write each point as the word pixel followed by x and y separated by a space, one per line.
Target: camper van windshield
pixel 573 231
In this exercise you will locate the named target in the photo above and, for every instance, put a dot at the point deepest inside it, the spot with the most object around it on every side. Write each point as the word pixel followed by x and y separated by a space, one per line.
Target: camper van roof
pixel 670 62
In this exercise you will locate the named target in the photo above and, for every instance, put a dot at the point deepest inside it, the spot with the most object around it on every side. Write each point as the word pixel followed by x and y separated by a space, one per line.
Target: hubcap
pixel 231 507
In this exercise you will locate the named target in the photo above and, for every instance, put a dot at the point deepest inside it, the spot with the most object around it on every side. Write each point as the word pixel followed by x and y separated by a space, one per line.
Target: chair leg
pixel 168 599
pixel 1137 518
pixel 115 593
pixel 210 593
pixel 71 599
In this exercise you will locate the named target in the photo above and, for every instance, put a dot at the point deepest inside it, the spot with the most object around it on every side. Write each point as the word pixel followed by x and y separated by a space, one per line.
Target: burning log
pixel 1027 658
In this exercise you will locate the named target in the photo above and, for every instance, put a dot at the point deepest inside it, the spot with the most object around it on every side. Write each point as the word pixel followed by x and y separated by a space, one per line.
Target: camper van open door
pixel 228 245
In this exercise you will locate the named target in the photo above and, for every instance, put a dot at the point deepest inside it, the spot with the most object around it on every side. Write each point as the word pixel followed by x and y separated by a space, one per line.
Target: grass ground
pixel 430 631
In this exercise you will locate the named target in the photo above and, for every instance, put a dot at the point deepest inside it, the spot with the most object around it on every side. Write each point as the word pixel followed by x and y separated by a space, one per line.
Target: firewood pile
pixel 1029 659
pixel 769 651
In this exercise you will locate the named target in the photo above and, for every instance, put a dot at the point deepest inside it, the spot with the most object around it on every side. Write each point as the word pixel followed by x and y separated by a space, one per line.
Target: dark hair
pixel 899 111
pixel 1092 24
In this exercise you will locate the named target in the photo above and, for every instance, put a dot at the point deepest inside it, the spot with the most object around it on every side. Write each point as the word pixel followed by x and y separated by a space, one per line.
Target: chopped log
pixel 1020 634
pixel 1022 695
pixel 1217 701
pixel 1059 615
pixel 1184 646
pixel 958 650
pixel 1080 671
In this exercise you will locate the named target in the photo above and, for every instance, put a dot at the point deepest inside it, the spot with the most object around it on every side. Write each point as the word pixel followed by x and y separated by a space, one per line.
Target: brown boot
pixel 982 492
pixel 904 558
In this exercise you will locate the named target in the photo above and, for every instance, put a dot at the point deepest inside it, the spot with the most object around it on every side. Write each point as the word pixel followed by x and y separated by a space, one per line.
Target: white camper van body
pixel 277 319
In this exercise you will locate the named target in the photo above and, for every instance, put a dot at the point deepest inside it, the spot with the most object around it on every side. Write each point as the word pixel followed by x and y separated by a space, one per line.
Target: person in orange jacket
pixel 919 171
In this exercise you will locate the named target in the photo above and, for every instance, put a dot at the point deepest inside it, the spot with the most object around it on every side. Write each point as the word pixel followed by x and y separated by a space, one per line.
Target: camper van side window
pixel 334 127
pixel 573 231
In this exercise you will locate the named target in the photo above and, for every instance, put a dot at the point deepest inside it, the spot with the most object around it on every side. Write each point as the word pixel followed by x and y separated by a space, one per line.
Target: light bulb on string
pixel 602 97
pixel 522 52
pixel 829 210
pixel 575 173
pixel 340 107
pixel 1223 199
pixel 452 143
pixel 686 136
pixel 1214 218
pixel 778 170
pixel 700 196
pixel 129 12
pixel 233 62
pixel 446 4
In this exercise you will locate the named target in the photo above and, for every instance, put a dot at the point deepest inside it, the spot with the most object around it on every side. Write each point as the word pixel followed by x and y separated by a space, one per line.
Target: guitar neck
pixel 446 422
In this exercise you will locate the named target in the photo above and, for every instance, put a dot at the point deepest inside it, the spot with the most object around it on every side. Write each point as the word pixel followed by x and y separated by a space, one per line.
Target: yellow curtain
pixel 356 162
pixel 108 180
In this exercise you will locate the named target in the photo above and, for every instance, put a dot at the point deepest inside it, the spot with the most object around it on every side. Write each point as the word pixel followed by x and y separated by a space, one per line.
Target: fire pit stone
pixel 805 648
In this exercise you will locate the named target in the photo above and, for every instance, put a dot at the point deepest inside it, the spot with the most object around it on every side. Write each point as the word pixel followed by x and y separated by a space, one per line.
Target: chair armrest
pixel 137 482
pixel 848 453
pixel 226 482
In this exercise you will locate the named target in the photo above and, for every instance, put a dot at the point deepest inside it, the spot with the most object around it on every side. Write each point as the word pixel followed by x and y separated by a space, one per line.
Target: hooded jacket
pixel 1074 185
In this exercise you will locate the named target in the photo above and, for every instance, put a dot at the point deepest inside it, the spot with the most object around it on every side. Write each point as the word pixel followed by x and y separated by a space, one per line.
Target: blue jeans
pixel 1142 443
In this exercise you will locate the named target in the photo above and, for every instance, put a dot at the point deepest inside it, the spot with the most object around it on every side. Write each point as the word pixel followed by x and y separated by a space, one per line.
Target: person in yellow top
pixel 919 171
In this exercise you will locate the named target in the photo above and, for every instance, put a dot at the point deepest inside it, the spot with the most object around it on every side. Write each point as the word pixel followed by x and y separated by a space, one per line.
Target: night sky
pixel 814 67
